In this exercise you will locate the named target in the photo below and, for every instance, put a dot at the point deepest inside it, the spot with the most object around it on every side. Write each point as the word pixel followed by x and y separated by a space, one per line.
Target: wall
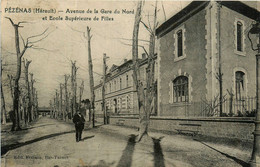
pixel 231 61
pixel 233 128
pixel 192 66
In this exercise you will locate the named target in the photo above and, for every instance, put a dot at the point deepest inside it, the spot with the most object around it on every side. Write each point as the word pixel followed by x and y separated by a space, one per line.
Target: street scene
pixel 136 83
pixel 110 145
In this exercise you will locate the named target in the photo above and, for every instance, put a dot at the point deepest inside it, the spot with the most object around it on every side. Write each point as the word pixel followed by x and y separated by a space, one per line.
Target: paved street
pixel 50 142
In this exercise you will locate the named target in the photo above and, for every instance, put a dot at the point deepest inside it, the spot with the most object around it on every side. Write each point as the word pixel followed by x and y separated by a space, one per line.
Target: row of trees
pixel 66 101
pixel 65 107
pixel 24 94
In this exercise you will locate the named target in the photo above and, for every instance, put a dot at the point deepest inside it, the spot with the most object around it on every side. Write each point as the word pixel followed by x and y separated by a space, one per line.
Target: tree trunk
pixel 3 105
pixel 61 110
pixel 91 79
pixel 145 98
pixel 28 96
pixel 32 99
pixel 66 98
pixel 136 75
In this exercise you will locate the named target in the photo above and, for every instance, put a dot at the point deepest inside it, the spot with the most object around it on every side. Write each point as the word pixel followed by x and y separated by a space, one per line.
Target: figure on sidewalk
pixel 79 122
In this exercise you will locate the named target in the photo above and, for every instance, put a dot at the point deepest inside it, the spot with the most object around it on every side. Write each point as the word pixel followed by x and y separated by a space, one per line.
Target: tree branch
pixel 37 35
pixel 146 27
pixel 10 20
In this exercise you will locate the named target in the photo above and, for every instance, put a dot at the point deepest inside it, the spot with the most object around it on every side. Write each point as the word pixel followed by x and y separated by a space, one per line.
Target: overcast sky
pixel 65 41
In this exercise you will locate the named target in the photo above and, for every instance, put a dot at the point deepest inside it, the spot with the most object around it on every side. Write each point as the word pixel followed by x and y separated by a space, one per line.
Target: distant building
pixel 193 44
pixel 120 96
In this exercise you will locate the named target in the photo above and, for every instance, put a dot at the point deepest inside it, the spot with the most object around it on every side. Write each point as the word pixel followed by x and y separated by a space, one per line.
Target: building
pixel 203 39
pixel 120 96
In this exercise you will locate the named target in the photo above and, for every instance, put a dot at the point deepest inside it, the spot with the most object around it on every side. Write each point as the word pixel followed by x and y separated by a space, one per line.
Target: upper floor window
pixel 180 89
pixel 114 85
pixel 240 84
pixel 179 43
pixel 110 87
pixel 126 80
pixel 239 33
pixel 239 28
pixel 120 83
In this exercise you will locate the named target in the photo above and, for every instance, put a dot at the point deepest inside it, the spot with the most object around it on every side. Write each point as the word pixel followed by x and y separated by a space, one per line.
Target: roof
pixel 196 6
pixel 126 66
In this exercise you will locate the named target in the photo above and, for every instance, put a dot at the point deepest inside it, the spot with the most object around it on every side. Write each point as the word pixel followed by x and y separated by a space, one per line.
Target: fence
pixel 244 107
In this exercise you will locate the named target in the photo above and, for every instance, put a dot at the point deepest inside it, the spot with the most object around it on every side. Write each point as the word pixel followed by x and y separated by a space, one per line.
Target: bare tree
pixel 81 89
pixel 103 88
pixel 91 79
pixel 28 96
pixel 66 96
pixel 20 54
pixel 145 98
pixel 3 109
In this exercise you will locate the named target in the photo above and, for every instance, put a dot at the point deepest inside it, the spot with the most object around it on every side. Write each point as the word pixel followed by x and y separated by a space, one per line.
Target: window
pixel 179 44
pixel 240 84
pixel 126 80
pixel 110 87
pixel 239 36
pixel 180 89
pixel 115 85
pixel 120 83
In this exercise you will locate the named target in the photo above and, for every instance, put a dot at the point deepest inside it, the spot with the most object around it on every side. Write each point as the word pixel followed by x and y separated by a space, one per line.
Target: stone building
pixel 120 97
pixel 194 45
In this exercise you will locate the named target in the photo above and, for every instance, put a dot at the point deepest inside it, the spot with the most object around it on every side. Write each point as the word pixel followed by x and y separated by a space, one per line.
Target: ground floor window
pixel 240 84
pixel 180 89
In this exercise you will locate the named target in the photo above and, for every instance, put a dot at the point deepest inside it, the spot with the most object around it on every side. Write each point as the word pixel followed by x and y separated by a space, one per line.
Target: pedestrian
pixel 79 122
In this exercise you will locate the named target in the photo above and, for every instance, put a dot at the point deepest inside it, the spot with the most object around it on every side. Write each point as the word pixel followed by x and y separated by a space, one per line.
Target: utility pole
pixel 104 108
pixel 91 80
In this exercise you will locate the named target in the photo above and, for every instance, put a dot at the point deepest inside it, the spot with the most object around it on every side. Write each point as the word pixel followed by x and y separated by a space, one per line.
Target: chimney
pixel 125 60
pixel 143 56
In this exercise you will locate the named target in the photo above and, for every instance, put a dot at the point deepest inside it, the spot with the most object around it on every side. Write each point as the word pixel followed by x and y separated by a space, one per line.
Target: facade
pixel 198 43
pixel 120 97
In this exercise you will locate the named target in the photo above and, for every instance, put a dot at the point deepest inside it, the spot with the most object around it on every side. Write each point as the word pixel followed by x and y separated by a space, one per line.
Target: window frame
pixel 176 42
pixel 242 23
pixel 180 87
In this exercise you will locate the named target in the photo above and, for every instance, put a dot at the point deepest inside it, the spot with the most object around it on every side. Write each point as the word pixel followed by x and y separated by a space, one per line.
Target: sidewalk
pixel 175 142
pixel 51 142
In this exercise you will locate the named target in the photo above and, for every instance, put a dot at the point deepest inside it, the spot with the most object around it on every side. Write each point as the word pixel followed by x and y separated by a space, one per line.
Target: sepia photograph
pixel 133 83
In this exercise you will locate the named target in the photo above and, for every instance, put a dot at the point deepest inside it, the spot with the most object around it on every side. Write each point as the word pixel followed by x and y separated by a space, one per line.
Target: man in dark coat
pixel 79 121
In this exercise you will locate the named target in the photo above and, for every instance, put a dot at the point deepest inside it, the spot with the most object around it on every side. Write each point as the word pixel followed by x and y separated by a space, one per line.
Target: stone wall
pixel 232 128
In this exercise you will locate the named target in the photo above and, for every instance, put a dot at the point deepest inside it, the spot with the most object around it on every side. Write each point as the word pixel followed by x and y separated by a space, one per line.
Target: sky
pixel 64 41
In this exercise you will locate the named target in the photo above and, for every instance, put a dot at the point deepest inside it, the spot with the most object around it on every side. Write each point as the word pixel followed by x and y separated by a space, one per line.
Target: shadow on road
pixel 126 158
pixel 6 148
pixel 239 161
pixel 158 154
pixel 88 137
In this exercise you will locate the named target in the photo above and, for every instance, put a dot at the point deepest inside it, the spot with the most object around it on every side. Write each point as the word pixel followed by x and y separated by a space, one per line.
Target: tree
pixel 91 79
pixel 145 98
pixel 66 96
pixel 3 109
pixel 19 54
pixel 28 96
pixel 103 88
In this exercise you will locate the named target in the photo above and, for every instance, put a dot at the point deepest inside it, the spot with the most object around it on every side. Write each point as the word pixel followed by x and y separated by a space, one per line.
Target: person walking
pixel 79 122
